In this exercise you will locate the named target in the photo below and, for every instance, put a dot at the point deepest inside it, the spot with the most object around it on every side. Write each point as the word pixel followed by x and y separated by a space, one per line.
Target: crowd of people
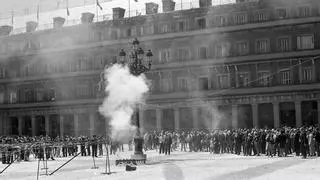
pixel 19 148
pixel 248 142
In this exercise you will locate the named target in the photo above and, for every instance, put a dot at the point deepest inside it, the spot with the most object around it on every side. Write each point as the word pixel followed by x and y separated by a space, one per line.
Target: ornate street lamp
pixel 138 62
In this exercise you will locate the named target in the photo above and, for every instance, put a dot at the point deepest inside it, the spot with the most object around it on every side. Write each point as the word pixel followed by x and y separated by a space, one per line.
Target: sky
pixel 26 10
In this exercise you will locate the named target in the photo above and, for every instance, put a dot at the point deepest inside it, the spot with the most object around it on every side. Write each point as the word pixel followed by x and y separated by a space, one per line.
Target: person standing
pixel 303 143
pixel 94 145
pixel 168 143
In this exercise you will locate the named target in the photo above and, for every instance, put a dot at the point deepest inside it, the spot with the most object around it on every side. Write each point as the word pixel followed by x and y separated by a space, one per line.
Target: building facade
pixel 247 64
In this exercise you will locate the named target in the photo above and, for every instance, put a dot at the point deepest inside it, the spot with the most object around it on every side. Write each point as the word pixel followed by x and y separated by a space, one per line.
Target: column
pixel 234 116
pixel 33 125
pixel 176 119
pixel 47 125
pixel 20 125
pixel 76 124
pixel 141 120
pixel 255 115
pixel 318 107
pixel 300 73
pixel 92 129
pixel 214 111
pixel 276 113
pixel 298 113
pixel 195 117
pixel 61 124
pixel 158 118
pixel 314 72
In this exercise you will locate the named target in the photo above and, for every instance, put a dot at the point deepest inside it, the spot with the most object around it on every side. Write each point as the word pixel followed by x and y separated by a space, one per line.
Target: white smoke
pixel 124 93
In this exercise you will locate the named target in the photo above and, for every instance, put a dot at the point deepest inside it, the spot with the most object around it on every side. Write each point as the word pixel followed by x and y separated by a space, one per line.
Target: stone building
pixel 247 64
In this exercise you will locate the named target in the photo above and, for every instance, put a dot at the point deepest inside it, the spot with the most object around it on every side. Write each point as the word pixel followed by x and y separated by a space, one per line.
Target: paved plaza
pixel 178 166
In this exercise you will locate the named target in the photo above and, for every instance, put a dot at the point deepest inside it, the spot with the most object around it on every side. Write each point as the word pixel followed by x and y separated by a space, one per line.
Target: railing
pixel 108 16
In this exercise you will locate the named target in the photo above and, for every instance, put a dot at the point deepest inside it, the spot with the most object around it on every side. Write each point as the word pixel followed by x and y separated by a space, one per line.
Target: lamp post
pixel 138 62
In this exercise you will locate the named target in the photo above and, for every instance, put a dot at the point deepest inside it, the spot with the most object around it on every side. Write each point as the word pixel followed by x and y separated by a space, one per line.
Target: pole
pixel 97 11
pixel 108 171
pixel 38 168
pixel 129 8
pixel 65 163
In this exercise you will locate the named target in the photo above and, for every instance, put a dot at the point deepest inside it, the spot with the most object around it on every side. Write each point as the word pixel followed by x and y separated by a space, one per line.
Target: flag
pixel 58 4
pixel 12 17
pixel 68 12
pixel 135 0
pixel 99 5
pixel 38 13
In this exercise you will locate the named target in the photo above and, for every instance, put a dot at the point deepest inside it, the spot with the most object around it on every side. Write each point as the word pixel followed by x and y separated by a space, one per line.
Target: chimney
pixel 87 18
pixel 31 26
pixel 5 30
pixel 205 3
pixel 152 8
pixel 168 5
pixel 118 13
pixel 58 22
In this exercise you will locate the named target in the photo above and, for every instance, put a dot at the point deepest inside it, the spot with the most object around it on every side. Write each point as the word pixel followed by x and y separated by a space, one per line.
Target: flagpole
pixel 97 11
pixel 129 8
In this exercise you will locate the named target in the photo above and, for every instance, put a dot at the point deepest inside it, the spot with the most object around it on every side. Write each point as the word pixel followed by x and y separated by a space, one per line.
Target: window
pixel 262 46
pixel 220 21
pixel 98 62
pixel 281 13
pixel 264 78
pixel 164 28
pixel 12 97
pixel 114 34
pixel 150 29
pixel 203 83
pixel 83 91
pixel 304 11
pixel 261 16
pixel 182 83
pixel 152 85
pixel 2 73
pixel 128 32
pixel 183 54
pixel 52 94
pixel 180 26
pixel 241 18
pixel 285 77
pixel 1 97
pixel 283 44
pixel 165 85
pixel 39 94
pixel 140 30
pixel 244 79
pixel 242 48
pixel 307 74
pixel 223 80
pixel 201 23
pixel 202 53
pixel 305 42
pixel 222 50
pixel 164 55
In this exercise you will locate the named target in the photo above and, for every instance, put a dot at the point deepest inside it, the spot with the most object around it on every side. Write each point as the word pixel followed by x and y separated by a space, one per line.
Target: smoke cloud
pixel 124 93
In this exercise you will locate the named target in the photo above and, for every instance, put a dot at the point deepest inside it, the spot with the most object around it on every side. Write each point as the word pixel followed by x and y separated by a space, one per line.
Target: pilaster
pixel 158 118
pixel 234 116
pixel 255 115
pixel 61 124
pixel 195 117
pixel 276 113
pixel 298 113
pixel 176 119
pixel 47 125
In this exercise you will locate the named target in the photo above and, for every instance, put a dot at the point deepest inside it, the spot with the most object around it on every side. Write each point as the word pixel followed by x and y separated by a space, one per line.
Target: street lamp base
pixel 138 152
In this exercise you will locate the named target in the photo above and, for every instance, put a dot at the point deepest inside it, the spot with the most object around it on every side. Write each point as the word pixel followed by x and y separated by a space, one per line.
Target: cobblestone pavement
pixel 178 166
